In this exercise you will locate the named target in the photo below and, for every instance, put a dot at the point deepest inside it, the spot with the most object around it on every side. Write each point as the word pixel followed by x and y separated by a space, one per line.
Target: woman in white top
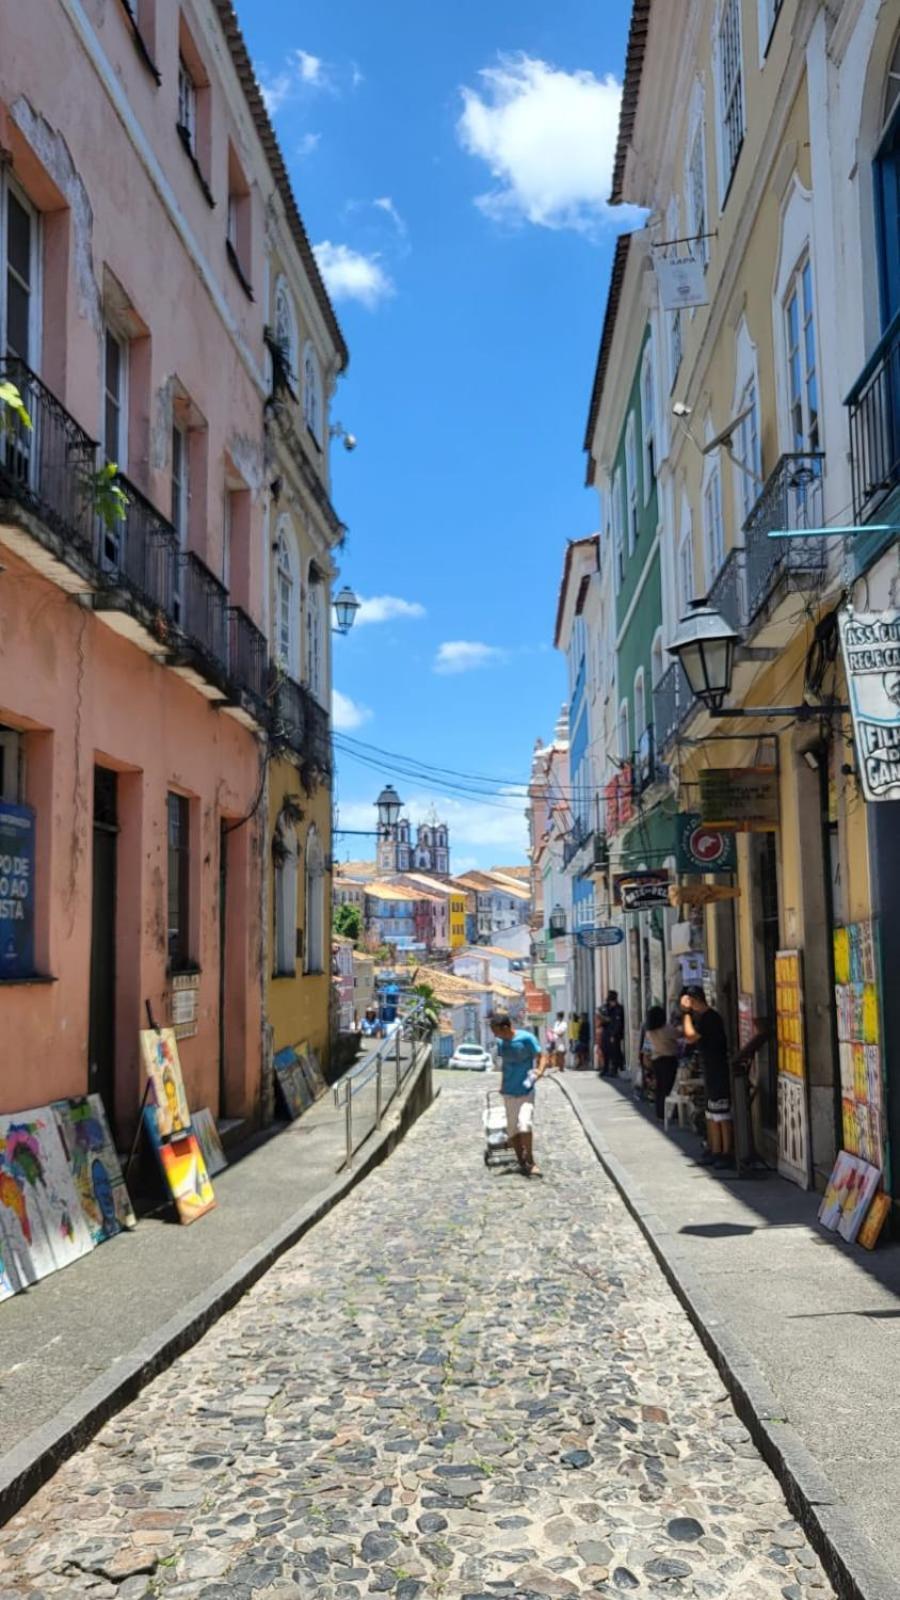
pixel 661 1040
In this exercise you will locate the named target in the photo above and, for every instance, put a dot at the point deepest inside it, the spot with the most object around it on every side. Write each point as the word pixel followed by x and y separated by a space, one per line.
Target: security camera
pixel 350 441
pixel 679 409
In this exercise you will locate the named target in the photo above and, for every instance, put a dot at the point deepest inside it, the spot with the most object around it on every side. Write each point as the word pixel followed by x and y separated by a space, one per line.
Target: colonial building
pixel 397 851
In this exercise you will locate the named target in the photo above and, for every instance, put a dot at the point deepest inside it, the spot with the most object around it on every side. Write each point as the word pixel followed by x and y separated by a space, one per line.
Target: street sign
pixel 871 646
pixel 739 798
pixel 596 938
pixel 701 848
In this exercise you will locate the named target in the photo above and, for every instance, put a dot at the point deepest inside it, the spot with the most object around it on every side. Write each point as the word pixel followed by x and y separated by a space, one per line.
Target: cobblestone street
pixel 460 1384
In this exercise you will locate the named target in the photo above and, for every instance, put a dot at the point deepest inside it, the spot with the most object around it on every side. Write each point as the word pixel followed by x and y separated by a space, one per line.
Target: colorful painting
pixel 315 1077
pixel 203 1127
pixel 159 1052
pixel 183 1168
pixel 94 1165
pixel 832 1200
pixel 857 1008
pixel 857 1199
pixel 875 1219
pixel 9 1279
pixel 292 1083
pixel 793 1110
pixel 43 1225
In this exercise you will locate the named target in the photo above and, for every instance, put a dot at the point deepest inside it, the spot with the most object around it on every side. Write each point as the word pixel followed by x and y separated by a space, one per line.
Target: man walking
pixel 519 1053
pixel 612 1033
pixel 704 1028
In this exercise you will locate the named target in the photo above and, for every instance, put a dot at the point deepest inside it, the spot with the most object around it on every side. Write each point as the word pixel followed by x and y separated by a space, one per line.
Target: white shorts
pixel 519 1113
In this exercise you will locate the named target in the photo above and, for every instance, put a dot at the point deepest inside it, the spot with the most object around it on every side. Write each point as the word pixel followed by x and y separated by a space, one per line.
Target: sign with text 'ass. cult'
pixel 870 641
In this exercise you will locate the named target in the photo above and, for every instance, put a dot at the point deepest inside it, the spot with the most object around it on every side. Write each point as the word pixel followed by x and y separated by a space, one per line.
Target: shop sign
pixel 557 977
pixel 16 891
pixel 700 848
pixel 701 894
pixel 184 1008
pixel 742 799
pixel 871 648
pixel 596 938
pixel 641 891
pixel 682 282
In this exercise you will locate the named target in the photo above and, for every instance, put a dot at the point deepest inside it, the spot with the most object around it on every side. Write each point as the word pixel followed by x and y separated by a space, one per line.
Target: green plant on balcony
pixel 12 407
pixel 106 496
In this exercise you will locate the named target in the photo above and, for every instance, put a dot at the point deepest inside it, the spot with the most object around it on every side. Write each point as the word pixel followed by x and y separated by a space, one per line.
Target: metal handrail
pixel 413 1027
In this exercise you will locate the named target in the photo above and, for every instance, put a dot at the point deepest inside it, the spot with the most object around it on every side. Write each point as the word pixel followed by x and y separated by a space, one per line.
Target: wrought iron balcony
pixel 248 666
pixel 302 724
pixel 645 770
pixel 576 841
pixel 202 610
pixel 874 406
pixel 672 701
pixel 728 592
pixel 791 501
pixel 139 553
pixel 48 468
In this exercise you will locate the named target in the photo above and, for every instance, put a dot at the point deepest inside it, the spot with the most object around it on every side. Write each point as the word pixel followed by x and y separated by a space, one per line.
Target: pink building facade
pixel 133 670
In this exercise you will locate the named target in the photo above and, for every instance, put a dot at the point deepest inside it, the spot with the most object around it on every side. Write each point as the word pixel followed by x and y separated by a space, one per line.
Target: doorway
pixel 223 960
pixel 764 859
pixel 102 1005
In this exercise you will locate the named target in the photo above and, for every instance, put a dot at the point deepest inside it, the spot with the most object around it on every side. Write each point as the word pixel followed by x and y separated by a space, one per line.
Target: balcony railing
pixel 48 467
pixel 728 592
pixel 248 665
pixel 140 552
pixel 202 609
pixel 576 841
pixel 645 764
pixel 303 724
pixel 791 501
pixel 672 700
pixel 874 405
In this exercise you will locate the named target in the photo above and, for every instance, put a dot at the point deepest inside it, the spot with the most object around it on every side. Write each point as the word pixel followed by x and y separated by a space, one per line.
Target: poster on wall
pixel 16 891
pixel 793 1100
pixel 870 643
pixel 860 1057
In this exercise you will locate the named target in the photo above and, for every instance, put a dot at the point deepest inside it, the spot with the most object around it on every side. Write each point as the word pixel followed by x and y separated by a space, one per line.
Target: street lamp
pixel 389 805
pixel 346 605
pixel 558 922
pixel 705 644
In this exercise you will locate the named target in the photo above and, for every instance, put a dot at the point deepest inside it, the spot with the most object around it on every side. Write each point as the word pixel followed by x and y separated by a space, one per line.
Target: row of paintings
pixel 860 1055
pixel 299 1078
pixel 851 1205
pixel 186 1143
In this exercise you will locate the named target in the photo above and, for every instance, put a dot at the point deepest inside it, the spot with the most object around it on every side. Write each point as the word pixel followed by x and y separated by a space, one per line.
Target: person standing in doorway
pixel 520 1065
pixel 661 1042
pixel 704 1029
pixel 612 1034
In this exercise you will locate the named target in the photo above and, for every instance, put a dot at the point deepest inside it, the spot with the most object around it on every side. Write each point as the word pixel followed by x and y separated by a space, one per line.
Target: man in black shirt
pixel 704 1028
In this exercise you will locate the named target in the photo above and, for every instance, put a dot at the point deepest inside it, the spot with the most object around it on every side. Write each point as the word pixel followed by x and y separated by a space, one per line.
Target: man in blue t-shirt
pixel 520 1056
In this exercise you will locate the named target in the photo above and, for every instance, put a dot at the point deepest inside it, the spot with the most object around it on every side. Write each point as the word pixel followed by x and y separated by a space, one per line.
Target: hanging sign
pixel 741 799
pixel 16 891
pixel 641 891
pixel 871 647
pixel 700 848
pixel 701 894
pixel 682 282
pixel 596 938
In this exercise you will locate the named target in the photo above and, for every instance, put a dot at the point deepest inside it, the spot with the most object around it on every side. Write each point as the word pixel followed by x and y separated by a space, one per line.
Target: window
pixel 886 177
pixel 115 429
pixel 286 328
pixel 640 709
pixel 803 383
pixel 180 491
pixel 315 634
pixel 631 489
pixel 179 854
pixel 187 106
pixel 287 608
pixel 315 902
pixel 623 733
pixel 731 90
pixel 617 527
pixel 19 286
pixel 648 427
pixel 312 393
pixel 696 192
pixel 657 666
pixel 714 529
pixel 12 751
pixel 686 567
pixel 748 452
pixel 286 862
pixel 238 243
pixel 768 16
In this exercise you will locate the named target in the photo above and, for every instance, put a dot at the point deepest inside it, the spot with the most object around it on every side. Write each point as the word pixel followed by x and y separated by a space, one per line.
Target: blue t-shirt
pixel 517 1058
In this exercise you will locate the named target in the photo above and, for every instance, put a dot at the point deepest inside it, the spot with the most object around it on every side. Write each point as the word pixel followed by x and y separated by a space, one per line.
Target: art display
pixel 852 1184
pixel 860 1059
pixel 793 1107
pixel 832 1200
pixel 203 1127
pixel 8 1285
pixel 183 1168
pixel 876 1217
pixel 315 1075
pixel 293 1085
pixel 95 1168
pixel 43 1225
pixel 159 1053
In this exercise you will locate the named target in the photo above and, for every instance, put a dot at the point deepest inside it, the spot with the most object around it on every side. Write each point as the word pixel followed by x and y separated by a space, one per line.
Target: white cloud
pixel 274 90
pixel 549 139
pixel 310 68
pixel 350 275
pixel 465 655
pixel 308 144
pixel 386 204
pixel 347 714
pixel 357 77
pixel 386 608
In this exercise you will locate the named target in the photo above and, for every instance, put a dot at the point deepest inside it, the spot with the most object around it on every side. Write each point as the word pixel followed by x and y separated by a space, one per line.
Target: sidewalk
pixel 80 1342
pixel 818 1319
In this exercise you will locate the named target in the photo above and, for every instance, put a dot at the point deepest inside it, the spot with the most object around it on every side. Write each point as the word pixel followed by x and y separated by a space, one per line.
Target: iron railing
pixel 728 592
pixel 644 766
pixel 672 700
pixel 303 724
pixel 48 468
pixel 141 551
pixel 581 833
pixel 380 1077
pixel 874 406
pixel 203 609
pixel 248 665
pixel 791 501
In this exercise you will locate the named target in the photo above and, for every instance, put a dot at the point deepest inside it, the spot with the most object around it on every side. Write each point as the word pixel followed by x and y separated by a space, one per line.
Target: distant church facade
pixel 396 849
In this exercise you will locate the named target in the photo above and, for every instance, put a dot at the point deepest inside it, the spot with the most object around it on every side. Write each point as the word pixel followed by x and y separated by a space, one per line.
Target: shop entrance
pixel 102 1008
pixel 764 878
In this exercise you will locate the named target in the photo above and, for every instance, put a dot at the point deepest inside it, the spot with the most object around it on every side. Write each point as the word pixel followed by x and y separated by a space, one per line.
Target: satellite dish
pixel 724 438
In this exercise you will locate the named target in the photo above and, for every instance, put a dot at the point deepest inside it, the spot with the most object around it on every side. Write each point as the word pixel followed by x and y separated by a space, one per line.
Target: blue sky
pixel 451 162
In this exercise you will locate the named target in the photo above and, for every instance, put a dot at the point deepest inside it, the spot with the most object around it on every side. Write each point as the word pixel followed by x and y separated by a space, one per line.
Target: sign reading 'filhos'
pixel 871 645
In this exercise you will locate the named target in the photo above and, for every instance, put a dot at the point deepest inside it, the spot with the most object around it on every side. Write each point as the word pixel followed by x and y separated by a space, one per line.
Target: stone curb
pixel 38 1456
pixel 851 1561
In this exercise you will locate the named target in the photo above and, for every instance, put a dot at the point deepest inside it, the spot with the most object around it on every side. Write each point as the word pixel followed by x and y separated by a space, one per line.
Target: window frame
pixel 316 644
pixel 697 188
pixel 187 103
pixel 624 748
pixel 686 566
pixel 730 93
pixel 713 523
pixel 315 876
pixel 618 527
pixel 288 599
pixel 640 724
pixel 178 854
pixel 180 499
pixel 12 774
pixel 282 298
pixel 631 488
pixel 9 188
pixel 313 395
pixel 749 450
pixel 111 335
pixel 648 419
pixel 285 903
pixel 800 281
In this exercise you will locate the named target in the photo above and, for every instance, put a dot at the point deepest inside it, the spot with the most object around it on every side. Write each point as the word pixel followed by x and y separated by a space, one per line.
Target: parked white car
pixel 472 1058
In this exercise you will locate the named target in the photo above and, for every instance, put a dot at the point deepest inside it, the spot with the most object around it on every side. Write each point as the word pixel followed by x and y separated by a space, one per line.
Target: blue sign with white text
pixel 16 891
pixel 594 938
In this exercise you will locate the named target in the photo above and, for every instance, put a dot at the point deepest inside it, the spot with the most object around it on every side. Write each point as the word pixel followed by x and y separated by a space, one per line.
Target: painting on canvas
pixel 9 1279
pixel 830 1208
pixel 186 1175
pixel 94 1165
pixel 159 1053
pixel 43 1224
pixel 203 1126
pixel 857 1199
pixel 291 1083
pixel 875 1220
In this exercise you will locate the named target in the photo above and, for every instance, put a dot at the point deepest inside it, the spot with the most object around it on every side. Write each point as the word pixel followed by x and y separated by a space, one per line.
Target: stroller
pixel 494 1122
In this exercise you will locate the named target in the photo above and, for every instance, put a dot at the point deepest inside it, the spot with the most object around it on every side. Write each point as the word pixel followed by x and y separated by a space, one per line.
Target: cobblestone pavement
pixel 461 1384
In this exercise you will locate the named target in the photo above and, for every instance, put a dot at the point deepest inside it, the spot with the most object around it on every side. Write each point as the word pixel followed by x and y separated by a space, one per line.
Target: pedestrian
pixel 557 1033
pixel 370 1027
pixel 520 1064
pixel 704 1028
pixel 661 1042
pixel 583 1047
pixel 612 1034
pixel 573 1036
